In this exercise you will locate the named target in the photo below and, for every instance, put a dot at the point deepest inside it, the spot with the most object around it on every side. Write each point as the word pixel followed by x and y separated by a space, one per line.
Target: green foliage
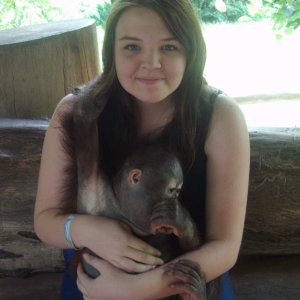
pixel 15 13
pixel 209 11
pixel 220 11
pixel 101 15
pixel 284 13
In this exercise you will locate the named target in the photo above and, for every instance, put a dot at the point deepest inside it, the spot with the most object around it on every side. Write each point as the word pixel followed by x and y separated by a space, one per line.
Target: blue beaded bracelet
pixel 67 228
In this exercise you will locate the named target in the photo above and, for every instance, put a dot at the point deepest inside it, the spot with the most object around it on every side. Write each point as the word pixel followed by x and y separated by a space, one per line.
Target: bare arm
pixel 228 153
pixel 227 150
pixel 107 238
pixel 228 159
pixel 48 216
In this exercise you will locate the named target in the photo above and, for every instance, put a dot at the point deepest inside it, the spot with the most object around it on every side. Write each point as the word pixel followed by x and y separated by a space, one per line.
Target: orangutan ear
pixel 134 176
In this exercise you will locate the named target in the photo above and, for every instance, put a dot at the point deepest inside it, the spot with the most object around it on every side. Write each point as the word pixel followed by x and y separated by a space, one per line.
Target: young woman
pixel 153 58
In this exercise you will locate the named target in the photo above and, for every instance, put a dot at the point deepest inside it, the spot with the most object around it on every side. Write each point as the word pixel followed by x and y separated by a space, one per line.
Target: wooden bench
pixel 268 267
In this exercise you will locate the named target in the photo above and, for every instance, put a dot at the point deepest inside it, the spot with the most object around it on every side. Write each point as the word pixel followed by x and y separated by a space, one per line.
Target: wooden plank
pixel 273 213
pixel 20 150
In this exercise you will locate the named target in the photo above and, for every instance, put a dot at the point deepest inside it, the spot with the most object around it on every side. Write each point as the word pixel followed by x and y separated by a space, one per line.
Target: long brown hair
pixel 183 23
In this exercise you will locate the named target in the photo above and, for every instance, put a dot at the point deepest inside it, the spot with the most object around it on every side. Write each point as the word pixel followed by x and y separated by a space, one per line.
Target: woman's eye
pixel 169 48
pixel 132 47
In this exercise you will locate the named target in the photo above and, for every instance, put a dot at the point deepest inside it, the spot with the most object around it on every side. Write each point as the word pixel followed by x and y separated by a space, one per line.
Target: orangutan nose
pixel 163 229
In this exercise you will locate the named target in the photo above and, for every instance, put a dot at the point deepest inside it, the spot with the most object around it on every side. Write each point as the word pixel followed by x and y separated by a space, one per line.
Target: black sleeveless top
pixel 194 187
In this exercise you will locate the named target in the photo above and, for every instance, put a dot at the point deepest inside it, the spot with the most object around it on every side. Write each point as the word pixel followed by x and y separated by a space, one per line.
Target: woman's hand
pixel 111 284
pixel 114 242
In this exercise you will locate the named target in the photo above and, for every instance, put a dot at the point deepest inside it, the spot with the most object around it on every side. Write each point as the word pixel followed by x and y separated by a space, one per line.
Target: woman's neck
pixel 154 116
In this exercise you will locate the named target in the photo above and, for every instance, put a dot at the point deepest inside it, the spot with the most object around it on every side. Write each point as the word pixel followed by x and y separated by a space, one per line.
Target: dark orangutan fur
pixel 147 201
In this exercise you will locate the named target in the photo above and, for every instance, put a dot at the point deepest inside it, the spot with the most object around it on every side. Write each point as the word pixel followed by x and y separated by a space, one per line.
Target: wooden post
pixel 39 64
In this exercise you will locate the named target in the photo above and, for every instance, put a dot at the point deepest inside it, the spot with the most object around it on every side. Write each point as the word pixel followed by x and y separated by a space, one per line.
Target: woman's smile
pixel 148 81
pixel 150 61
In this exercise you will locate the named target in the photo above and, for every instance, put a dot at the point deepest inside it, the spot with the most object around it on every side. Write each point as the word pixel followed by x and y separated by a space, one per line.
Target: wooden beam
pixel 273 212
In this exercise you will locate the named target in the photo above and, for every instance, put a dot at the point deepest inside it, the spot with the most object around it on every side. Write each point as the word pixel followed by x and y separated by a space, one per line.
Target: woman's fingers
pixel 120 247
pixel 138 244
pixel 109 285
pixel 82 279
pixel 130 266
pixel 140 257
pixel 92 260
pixel 145 256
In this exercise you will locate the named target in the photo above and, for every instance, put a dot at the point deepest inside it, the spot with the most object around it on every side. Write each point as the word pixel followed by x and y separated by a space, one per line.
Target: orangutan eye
pixel 172 190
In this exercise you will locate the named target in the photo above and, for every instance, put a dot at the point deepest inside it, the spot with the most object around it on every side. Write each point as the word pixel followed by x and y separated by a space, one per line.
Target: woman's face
pixel 150 62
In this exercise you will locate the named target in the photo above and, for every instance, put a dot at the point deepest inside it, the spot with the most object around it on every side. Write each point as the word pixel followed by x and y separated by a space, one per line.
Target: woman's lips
pixel 148 81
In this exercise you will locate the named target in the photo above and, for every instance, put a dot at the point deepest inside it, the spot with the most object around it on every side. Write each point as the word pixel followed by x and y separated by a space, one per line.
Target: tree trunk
pixel 273 213
pixel 42 63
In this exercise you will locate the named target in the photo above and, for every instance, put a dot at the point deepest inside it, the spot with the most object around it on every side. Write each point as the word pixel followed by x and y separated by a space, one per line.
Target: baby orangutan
pixel 144 194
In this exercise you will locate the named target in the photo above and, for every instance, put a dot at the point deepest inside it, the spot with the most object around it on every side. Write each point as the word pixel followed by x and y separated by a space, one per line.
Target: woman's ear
pixel 134 176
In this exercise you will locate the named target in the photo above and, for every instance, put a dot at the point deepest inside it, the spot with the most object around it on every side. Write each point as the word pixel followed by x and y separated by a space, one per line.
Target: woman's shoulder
pixel 65 106
pixel 226 107
pixel 221 102
pixel 227 121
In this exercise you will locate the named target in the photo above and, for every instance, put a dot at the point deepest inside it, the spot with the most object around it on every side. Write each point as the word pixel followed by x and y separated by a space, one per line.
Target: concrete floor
pixel 254 278
pixel 267 278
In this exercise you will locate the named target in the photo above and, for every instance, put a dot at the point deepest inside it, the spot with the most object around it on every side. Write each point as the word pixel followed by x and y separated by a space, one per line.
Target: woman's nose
pixel 151 60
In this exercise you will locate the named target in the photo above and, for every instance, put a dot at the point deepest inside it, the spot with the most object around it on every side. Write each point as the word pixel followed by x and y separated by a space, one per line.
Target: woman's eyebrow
pixel 170 39
pixel 131 38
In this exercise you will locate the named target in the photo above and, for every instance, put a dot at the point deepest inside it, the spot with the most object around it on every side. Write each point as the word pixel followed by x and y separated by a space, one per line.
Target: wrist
pixel 68 232
pixel 135 292
pixel 150 285
pixel 77 231
pixel 85 228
